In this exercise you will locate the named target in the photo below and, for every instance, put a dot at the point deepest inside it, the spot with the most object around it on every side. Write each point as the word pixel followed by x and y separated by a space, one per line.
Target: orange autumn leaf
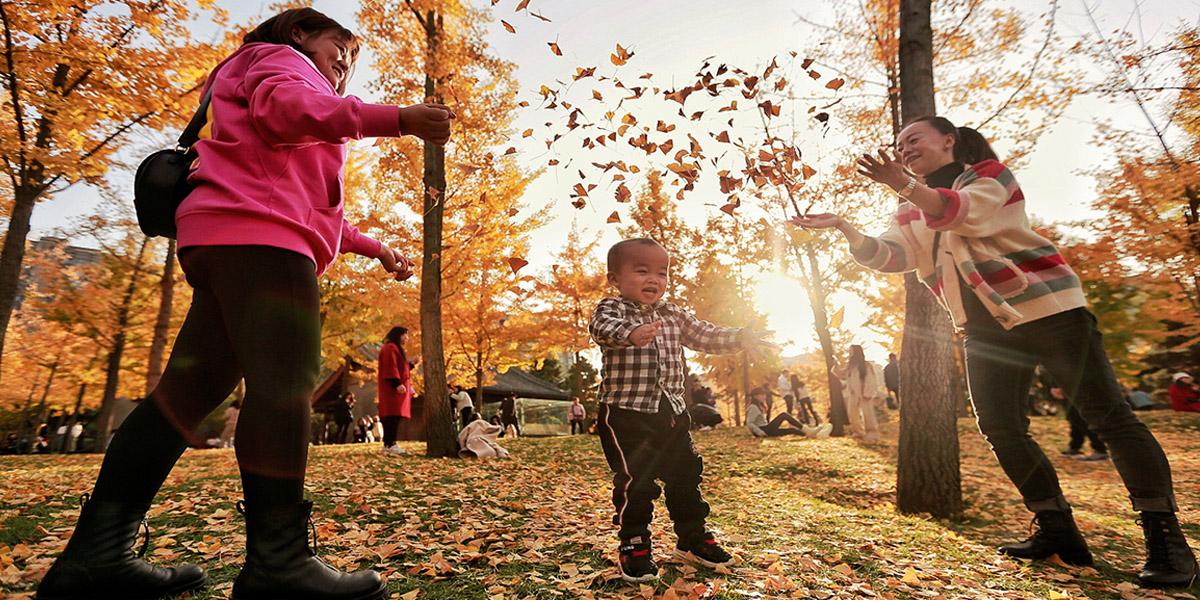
pixel 509 27
pixel 516 264
pixel 835 84
pixel 614 218
pixel 554 48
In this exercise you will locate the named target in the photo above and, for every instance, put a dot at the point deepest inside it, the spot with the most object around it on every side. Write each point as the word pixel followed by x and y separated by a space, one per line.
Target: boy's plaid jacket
pixel 633 378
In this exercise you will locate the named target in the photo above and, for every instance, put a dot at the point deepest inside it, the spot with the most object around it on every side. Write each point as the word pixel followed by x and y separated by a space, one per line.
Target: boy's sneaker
pixel 636 562
pixel 704 550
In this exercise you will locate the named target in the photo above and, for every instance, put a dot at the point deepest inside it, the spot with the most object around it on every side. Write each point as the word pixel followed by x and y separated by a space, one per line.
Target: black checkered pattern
pixel 633 378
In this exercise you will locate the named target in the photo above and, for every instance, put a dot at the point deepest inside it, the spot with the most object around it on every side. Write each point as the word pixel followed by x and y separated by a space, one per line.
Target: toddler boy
pixel 643 422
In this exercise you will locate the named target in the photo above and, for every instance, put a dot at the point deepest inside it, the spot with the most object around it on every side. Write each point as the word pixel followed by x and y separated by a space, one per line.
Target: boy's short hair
pixel 616 254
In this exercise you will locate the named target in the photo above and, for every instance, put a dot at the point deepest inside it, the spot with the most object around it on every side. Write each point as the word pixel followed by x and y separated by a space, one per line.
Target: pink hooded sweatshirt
pixel 270 162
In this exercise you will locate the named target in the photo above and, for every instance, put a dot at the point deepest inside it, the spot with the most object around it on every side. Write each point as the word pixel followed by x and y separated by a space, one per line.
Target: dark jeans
pixel 1000 368
pixel 775 428
pixel 1081 431
pixel 391 429
pixel 254 315
pixel 806 409
pixel 579 424
pixel 466 415
pixel 643 447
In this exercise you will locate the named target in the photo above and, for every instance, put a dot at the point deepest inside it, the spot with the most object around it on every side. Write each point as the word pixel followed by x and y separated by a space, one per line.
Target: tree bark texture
pixel 162 325
pixel 112 375
pixel 13 254
pixel 439 428
pixel 927 473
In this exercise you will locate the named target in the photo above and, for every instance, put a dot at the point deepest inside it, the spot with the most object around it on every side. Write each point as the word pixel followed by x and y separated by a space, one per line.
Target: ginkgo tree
pixel 78 78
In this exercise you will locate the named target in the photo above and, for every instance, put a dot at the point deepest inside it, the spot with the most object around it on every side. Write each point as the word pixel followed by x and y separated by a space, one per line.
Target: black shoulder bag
pixel 161 181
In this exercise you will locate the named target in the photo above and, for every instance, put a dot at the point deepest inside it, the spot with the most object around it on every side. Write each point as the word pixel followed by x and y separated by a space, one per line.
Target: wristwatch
pixel 908 188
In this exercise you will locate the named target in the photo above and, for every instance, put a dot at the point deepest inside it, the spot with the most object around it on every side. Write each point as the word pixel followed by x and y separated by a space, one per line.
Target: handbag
pixel 161 181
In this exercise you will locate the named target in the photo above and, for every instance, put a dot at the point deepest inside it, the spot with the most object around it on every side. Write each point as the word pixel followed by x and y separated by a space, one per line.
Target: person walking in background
pixel 576 413
pixel 891 380
pixel 1079 431
pixel 643 421
pixel 962 226
pixel 1183 393
pixel 343 417
pixel 395 391
pixel 861 384
pixel 231 418
pixel 463 406
pixel 804 403
pixel 508 416
pixel 784 383
pixel 263 221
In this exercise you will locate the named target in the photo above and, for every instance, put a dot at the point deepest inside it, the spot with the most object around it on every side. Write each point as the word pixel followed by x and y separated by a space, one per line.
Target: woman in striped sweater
pixel 962 227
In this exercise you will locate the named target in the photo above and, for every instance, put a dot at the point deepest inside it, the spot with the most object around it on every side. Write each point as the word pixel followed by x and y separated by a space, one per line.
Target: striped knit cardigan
pixel 984 234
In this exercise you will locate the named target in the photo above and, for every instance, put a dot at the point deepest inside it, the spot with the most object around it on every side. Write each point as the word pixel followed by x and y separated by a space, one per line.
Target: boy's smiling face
pixel 643 273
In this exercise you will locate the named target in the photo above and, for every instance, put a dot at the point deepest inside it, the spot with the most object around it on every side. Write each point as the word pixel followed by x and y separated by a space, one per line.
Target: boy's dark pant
pixel 643 447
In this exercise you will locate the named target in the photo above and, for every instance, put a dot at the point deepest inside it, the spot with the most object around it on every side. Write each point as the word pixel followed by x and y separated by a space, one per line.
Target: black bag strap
pixel 191 133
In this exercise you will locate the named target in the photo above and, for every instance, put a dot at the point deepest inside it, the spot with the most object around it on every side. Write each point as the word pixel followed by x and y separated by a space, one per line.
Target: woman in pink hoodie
pixel 263 222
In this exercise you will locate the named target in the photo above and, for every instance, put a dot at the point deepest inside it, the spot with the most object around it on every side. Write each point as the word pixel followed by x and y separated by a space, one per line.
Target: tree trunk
pixel 812 282
pixel 112 376
pixel 439 429
pixel 927 473
pixel 25 416
pixel 13 254
pixel 162 325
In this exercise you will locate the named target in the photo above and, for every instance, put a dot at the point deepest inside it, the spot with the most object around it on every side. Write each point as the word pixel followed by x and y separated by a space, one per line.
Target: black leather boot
pixel 1056 533
pixel 280 564
pixel 99 563
pixel 1169 561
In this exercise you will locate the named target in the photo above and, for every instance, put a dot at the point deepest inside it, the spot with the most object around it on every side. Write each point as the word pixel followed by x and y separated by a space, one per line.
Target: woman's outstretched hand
pixel 817 221
pixel 395 263
pixel 887 170
pixel 430 122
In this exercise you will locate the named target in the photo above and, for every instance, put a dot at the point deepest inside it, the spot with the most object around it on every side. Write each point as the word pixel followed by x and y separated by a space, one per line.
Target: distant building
pixel 72 257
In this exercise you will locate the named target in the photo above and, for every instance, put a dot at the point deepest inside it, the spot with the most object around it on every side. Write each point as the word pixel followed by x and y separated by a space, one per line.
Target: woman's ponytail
pixel 971 147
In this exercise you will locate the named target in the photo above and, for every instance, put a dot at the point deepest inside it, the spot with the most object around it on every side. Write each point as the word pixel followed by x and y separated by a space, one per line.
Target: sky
pixel 674 36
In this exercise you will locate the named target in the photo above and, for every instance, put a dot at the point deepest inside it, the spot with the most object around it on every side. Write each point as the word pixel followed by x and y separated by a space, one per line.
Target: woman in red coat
pixel 395 392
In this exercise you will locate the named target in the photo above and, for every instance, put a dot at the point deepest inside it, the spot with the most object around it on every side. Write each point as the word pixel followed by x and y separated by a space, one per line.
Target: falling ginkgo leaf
pixel 554 48
pixel 836 320
pixel 614 218
pixel 621 57
pixel 509 27
pixel 516 264
pixel 834 84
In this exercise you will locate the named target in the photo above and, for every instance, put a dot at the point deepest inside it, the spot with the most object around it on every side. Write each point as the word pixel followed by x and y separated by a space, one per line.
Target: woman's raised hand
pixel 887 169
pixel 430 122
pixel 817 221
pixel 395 263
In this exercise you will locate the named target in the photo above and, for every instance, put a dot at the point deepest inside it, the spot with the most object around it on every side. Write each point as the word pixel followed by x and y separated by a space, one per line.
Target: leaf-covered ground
pixel 806 518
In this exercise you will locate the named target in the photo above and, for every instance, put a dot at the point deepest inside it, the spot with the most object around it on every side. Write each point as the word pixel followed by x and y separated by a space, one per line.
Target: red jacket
pixel 392 365
pixel 1184 398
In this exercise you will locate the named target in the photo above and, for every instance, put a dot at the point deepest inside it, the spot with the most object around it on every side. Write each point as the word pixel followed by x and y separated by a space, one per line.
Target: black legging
pixel 775 428
pixel 391 429
pixel 254 315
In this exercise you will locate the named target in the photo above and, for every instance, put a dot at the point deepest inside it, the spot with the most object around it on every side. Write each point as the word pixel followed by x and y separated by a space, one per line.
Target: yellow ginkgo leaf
pixel 836 320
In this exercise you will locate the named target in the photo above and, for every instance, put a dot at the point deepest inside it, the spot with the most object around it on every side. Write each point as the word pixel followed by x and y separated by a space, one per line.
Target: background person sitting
pixel 1183 393
pixel 756 418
